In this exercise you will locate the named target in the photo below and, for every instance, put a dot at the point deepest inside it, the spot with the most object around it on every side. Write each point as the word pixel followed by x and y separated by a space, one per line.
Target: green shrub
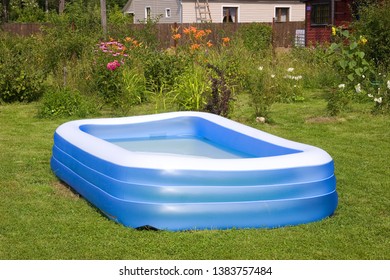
pixel 65 102
pixel 134 86
pixel 314 66
pixel 162 68
pixel 219 101
pixel 21 79
pixel 192 88
pixel 70 35
pixel 374 25
pixel 25 11
pixel 256 37
pixel 262 94
pixel 355 72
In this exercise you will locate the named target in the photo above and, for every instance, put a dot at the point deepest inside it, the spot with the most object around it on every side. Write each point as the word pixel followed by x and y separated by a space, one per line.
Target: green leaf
pixel 360 54
pixel 351 77
pixel 343 64
pixel 359 71
pixel 352 64
pixel 353 46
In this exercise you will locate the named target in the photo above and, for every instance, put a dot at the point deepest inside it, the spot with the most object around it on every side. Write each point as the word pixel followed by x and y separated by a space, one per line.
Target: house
pixel 321 15
pixel 216 11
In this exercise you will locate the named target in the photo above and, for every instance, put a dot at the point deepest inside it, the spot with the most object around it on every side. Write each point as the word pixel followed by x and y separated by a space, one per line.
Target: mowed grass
pixel 41 218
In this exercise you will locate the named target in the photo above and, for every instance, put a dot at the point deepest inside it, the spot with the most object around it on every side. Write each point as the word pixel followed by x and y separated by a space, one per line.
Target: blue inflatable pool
pixel 192 170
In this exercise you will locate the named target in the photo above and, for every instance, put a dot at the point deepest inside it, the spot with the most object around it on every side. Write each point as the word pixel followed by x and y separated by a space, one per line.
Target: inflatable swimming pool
pixel 192 170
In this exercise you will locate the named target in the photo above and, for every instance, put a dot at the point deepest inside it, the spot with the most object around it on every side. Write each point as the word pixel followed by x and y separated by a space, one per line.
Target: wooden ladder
pixel 203 13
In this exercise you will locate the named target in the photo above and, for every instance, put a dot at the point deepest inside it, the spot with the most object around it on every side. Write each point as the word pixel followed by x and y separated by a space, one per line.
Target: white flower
pixel 273 76
pixel 388 84
pixel 370 95
pixel 358 88
pixel 290 69
pixel 260 68
pixel 341 86
pixel 298 77
pixel 260 119
pixel 378 100
pixel 363 76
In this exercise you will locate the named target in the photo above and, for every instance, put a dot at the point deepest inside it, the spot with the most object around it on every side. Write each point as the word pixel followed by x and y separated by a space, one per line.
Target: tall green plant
pixel 349 60
pixel 191 89
pixel 65 102
pixel 21 78
pixel 257 37
pixel 374 24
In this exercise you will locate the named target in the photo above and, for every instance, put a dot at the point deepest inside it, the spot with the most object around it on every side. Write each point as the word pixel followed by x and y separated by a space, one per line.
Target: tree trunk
pixel 61 6
pixel 103 14
pixel 5 10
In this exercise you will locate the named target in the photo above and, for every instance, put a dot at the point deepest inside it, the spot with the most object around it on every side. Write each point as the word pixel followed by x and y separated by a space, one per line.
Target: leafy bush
pixel 314 66
pixel 20 76
pixel 64 102
pixel 257 37
pixel 262 97
pixel 191 89
pixel 70 35
pixel 349 61
pixel 374 25
pixel 219 101
pixel 162 68
pixel 25 11
pixel 134 86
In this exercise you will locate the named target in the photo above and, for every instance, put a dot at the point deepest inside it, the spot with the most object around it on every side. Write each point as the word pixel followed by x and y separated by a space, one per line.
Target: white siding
pixel 247 12
pixel 157 8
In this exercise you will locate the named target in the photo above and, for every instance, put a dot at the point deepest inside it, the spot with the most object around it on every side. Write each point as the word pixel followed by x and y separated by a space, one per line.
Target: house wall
pixel 248 11
pixel 157 9
pixel 322 34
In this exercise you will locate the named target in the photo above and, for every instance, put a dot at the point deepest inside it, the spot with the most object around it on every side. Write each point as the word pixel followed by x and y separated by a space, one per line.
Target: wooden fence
pixel 284 33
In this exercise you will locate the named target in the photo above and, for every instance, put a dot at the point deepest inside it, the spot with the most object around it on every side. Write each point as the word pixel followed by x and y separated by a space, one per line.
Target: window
pixel 320 14
pixel 148 13
pixel 168 12
pixel 282 14
pixel 230 14
pixel 130 15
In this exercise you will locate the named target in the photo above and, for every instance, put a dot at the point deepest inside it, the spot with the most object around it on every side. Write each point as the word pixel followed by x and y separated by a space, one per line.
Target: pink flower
pixel 113 65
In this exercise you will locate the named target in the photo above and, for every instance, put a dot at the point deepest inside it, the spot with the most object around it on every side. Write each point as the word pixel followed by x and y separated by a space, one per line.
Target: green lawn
pixel 40 218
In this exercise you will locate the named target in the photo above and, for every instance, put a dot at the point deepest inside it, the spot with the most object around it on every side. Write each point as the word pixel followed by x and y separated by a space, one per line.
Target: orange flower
pixel 176 36
pixel 209 44
pixel 186 31
pixel 193 29
pixel 200 34
pixel 128 39
pixel 225 41
pixel 195 47
pixel 208 31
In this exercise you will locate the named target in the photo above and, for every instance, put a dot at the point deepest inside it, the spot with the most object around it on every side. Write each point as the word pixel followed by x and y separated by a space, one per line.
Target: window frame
pixel 314 11
pixel 236 18
pixel 277 15
pixel 148 13
pixel 168 13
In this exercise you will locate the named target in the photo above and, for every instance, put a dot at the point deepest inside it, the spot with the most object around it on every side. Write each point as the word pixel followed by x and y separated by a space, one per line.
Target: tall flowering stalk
pixel 198 38
pixel 348 59
pixel 203 86
pixel 111 56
